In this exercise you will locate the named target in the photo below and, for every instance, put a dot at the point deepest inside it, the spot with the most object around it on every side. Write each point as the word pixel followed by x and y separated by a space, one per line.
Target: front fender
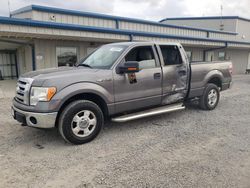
pixel 80 88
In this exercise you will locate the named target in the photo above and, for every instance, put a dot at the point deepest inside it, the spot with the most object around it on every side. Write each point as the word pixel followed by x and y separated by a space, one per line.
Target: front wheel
pixel 80 122
pixel 210 98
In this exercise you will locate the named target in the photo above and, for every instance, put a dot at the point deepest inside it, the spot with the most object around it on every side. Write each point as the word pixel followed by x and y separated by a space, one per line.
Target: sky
pixel 144 9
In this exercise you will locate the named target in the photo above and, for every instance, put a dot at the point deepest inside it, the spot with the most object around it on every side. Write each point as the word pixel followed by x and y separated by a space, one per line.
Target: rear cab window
pixel 171 55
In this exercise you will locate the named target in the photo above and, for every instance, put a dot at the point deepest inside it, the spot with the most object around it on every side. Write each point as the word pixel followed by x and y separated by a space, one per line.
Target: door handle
pixel 157 75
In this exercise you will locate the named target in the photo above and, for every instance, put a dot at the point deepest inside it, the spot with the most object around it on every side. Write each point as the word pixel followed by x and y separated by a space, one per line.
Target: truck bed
pixel 201 71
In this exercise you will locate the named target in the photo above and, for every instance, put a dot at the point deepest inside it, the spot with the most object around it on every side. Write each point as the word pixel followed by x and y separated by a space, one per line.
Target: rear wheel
pixel 80 122
pixel 210 98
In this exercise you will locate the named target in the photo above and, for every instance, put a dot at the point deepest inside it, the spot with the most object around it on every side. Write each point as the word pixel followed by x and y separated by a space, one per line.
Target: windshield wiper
pixel 84 65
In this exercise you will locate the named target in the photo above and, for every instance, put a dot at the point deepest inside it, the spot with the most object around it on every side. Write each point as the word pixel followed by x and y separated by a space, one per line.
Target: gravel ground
pixel 191 148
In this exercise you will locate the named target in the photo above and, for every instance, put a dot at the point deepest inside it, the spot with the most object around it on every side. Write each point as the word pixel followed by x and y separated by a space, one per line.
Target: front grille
pixel 23 89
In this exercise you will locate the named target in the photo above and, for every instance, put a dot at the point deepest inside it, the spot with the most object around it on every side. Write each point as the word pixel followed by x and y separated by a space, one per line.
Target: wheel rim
pixel 83 123
pixel 212 97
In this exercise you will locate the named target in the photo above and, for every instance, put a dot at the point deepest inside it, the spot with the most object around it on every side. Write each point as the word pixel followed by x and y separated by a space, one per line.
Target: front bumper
pixel 38 120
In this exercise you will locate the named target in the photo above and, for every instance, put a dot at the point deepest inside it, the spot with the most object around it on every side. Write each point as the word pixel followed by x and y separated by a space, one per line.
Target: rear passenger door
pixel 146 88
pixel 175 73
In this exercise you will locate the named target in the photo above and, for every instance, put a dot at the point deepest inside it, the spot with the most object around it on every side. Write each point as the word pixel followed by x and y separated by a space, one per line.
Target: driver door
pixel 146 88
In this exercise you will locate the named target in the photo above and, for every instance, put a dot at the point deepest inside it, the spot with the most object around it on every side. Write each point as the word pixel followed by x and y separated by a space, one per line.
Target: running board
pixel 150 112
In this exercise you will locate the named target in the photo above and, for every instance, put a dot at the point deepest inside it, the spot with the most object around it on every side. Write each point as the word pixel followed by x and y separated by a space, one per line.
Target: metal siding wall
pixel 24 15
pixel 24 59
pixel 61 34
pixel 222 36
pixel 160 29
pixel 197 53
pixel 47 49
pixel 78 20
pixel 239 59
pixel 229 24
pixel 243 30
pixel 98 22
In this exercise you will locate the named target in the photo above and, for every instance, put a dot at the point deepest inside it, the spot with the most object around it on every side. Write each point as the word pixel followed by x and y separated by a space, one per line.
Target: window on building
pixel 189 55
pixel 221 56
pixel 143 55
pixel 210 56
pixel 66 56
pixel 171 55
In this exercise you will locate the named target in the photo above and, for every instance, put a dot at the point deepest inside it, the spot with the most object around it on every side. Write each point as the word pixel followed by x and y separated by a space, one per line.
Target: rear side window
pixel 143 55
pixel 171 55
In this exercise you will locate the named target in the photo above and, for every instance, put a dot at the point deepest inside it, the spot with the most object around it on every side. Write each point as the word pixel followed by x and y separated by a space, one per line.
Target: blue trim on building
pixel 109 17
pixel 54 25
pixel 207 18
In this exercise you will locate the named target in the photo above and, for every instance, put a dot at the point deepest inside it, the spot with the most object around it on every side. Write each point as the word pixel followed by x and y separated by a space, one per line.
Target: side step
pixel 150 112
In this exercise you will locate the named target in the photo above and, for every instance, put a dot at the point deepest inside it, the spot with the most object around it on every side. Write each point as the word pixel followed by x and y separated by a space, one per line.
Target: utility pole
pixel 9 7
pixel 221 18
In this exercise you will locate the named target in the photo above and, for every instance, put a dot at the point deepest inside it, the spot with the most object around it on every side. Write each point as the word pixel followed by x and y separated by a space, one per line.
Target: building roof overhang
pixel 129 33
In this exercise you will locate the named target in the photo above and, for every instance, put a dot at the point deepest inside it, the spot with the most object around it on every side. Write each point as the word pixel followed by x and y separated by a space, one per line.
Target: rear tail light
pixel 230 68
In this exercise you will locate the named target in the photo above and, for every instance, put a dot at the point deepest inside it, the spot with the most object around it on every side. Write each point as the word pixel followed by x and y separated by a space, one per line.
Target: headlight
pixel 41 94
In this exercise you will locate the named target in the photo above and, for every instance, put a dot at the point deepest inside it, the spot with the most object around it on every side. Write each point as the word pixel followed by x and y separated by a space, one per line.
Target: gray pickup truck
pixel 118 82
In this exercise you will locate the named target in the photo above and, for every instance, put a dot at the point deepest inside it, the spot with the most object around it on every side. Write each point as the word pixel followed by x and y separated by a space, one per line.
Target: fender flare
pixel 80 88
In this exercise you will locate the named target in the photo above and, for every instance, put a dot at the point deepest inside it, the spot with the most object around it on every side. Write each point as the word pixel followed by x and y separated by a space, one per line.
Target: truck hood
pixel 64 76
pixel 50 72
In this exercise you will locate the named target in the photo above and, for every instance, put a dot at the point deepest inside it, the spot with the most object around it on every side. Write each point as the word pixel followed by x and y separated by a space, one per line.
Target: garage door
pixel 8 66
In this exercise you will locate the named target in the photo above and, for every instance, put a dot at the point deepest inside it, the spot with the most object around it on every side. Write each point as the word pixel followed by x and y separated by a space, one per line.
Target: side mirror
pixel 129 67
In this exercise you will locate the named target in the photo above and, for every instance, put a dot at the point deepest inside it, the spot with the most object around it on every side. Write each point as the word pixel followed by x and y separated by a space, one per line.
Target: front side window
pixel 144 55
pixel 104 57
pixel 171 55
pixel 66 56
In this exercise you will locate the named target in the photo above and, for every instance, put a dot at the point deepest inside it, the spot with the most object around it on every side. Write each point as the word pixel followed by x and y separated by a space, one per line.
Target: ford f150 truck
pixel 117 82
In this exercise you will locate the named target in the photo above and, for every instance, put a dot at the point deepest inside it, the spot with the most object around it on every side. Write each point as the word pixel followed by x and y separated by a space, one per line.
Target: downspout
pixel 131 37
pixel 33 57
pixel 212 49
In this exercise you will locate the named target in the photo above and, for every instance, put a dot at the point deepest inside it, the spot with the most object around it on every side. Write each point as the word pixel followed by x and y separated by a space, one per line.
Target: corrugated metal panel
pixel 44 32
pixel 46 50
pixel 222 36
pixel 232 45
pixel 98 22
pixel 70 19
pixel 24 15
pixel 187 42
pixel 96 33
pixel 197 53
pixel 160 29
pixel 239 59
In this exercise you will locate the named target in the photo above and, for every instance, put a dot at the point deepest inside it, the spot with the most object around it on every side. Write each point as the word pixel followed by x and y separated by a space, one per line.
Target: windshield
pixel 104 57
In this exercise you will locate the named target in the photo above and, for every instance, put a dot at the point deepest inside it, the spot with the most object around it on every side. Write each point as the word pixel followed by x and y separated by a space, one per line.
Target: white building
pixel 37 37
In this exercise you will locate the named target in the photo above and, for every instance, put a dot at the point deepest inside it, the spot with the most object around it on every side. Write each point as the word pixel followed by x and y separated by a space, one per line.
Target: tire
pixel 80 122
pixel 207 101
